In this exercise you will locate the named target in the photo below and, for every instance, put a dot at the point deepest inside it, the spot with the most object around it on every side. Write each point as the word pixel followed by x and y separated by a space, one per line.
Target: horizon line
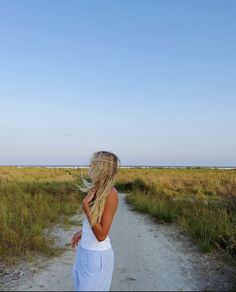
pixel 122 166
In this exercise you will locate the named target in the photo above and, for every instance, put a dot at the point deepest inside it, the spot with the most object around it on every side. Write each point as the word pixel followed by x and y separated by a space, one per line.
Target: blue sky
pixel 152 81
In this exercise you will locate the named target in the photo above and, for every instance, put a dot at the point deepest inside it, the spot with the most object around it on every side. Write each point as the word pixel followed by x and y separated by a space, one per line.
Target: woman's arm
pixel 76 238
pixel 101 229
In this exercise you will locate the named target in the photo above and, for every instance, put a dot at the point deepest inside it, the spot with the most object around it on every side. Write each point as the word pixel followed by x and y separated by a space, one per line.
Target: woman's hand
pixel 76 238
pixel 88 198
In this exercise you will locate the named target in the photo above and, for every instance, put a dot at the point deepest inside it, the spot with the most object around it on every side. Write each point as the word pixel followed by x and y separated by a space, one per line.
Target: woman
pixel 93 267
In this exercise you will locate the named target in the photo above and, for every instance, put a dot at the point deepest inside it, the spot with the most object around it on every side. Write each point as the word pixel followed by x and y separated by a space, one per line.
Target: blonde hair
pixel 102 171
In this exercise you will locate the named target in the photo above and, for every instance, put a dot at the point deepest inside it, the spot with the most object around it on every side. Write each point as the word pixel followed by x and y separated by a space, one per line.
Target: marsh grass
pixel 28 207
pixel 201 201
pixel 210 226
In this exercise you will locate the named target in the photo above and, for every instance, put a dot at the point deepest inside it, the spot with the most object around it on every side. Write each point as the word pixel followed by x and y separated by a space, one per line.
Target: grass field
pixel 32 199
pixel 202 201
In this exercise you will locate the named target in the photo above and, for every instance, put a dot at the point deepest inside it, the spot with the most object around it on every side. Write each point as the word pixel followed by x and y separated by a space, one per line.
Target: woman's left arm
pixel 101 229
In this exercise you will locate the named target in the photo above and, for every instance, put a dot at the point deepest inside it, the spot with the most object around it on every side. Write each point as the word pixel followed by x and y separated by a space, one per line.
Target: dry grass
pixel 32 199
pixel 203 201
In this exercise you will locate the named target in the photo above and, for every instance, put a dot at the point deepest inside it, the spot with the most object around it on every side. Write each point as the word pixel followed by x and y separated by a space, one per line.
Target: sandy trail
pixel 148 256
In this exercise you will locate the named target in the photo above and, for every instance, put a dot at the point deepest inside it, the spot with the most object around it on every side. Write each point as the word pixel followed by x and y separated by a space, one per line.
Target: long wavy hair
pixel 102 171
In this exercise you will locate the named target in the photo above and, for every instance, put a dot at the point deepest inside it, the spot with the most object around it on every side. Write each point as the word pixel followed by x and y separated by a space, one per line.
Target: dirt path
pixel 148 256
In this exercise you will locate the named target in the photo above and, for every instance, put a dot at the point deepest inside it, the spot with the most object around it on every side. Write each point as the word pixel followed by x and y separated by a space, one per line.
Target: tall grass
pixel 210 225
pixel 27 207
pixel 203 201
pixel 207 213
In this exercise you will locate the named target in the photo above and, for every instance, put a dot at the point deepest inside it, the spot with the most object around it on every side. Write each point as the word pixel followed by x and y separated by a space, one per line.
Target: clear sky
pixel 152 81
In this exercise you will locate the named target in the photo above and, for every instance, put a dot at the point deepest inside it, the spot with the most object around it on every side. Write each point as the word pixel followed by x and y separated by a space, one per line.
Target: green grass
pixel 209 219
pixel 26 208
pixel 202 201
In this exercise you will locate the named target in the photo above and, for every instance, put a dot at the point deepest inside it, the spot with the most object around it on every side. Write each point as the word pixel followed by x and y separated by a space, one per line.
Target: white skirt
pixel 93 269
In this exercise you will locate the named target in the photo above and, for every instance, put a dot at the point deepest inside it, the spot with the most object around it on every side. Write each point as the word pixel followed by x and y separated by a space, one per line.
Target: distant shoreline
pixel 124 166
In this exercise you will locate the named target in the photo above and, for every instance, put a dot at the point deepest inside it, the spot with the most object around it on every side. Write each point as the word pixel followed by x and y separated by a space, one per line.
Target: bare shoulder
pixel 113 197
pixel 115 193
pixel 114 190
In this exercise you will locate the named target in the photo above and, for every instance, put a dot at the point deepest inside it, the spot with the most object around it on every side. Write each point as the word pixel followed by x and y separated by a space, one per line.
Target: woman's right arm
pixel 76 238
